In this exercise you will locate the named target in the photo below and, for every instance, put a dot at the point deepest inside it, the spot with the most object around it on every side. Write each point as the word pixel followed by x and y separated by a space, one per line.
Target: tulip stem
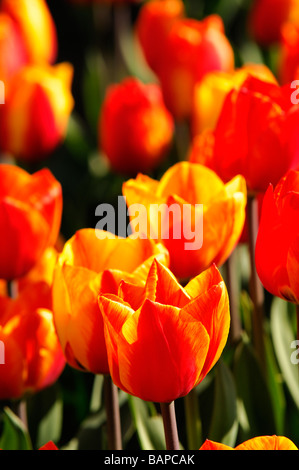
pixel 193 422
pixel 170 426
pixel 256 288
pixel 113 414
pixel 233 293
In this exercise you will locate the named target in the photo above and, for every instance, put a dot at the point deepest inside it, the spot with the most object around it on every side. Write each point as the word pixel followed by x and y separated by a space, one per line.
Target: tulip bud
pixel 38 105
pixel 36 26
pixel 12 51
pixel 154 23
pixel 30 217
pixel 267 18
pixel 135 128
pixel 193 48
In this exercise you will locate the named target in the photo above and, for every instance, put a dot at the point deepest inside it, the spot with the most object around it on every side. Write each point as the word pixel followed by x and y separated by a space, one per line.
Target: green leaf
pixel 255 410
pixel 283 337
pixel 149 425
pixel 224 422
pixel 15 435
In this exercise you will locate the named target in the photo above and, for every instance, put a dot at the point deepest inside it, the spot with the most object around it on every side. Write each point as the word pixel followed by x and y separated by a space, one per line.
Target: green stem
pixel 170 426
pixel 256 288
pixel 233 294
pixel 193 421
pixel 113 414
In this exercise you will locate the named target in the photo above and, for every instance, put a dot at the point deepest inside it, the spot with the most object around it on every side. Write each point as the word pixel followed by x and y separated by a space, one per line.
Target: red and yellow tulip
pixel 192 49
pixel 163 339
pixel 38 104
pixel 91 262
pixel 36 26
pixel 154 23
pixel 211 91
pixel 256 135
pixel 33 356
pixel 31 211
pixel 267 18
pixel 135 128
pixel 186 185
pixel 277 246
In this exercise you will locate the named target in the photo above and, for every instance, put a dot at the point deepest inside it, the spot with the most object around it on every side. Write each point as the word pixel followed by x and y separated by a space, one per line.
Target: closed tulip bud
pixel 193 48
pixel 30 217
pixel 135 128
pixel 35 117
pixel 12 50
pixel 256 135
pixel 256 443
pixel 154 23
pixel 33 358
pixel 197 217
pixel 211 91
pixel 277 248
pixel 93 262
pixel 36 26
pixel 267 18
pixel 174 324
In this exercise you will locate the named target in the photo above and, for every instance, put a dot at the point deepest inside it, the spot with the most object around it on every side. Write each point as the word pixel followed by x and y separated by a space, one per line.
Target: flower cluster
pixel 191 302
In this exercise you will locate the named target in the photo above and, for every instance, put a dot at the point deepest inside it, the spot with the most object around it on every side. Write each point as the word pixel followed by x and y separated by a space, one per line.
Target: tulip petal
pixel 267 443
pixel 174 352
pixel 211 309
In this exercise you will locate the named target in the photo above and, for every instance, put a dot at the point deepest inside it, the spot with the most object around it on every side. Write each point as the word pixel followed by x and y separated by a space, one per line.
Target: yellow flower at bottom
pixel 257 443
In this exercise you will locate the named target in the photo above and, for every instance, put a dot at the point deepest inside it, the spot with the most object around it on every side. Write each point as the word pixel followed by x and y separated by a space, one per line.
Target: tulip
pixel 193 48
pixel 257 443
pixel 33 357
pixel 276 252
pixel 255 136
pixel 49 446
pixel 35 117
pixel 30 217
pixel 154 23
pixel 12 50
pixel 172 217
pixel 267 18
pixel 135 128
pixel 91 262
pixel 36 26
pixel 210 93
pixel 288 63
pixel 174 324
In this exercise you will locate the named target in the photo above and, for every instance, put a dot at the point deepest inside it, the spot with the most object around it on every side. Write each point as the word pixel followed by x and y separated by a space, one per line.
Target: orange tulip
pixel 154 23
pixel 268 16
pixel 36 26
pixel 38 105
pixel 257 443
pixel 12 50
pixel 160 339
pixel 193 48
pixel 210 93
pixel 172 217
pixel 30 217
pixel 94 261
pixel 256 135
pixel 277 245
pixel 33 358
pixel 135 128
